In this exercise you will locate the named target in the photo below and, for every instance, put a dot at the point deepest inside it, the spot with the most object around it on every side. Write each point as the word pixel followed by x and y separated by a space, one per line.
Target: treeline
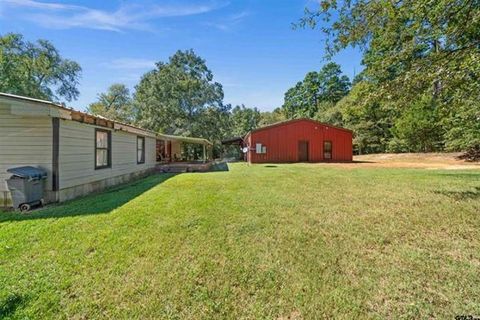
pixel 420 87
pixel 381 125
pixel 177 97
pixel 180 97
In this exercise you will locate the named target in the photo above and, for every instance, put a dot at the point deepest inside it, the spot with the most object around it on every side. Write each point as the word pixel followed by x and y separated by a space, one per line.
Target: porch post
pixel 204 154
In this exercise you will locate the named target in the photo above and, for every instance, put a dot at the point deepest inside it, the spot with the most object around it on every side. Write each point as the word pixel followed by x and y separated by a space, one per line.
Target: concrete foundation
pixel 5 199
pixel 179 167
pixel 81 190
pixel 98 186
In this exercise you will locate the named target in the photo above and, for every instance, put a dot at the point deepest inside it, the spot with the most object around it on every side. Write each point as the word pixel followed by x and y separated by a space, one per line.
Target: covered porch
pixel 183 154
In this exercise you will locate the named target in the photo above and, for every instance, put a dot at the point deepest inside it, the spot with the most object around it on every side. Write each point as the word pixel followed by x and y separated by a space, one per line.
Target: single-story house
pixel 298 140
pixel 81 153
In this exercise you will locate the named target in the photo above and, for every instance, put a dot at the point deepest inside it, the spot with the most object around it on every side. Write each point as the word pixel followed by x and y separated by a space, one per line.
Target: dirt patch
pixel 295 315
pixel 446 161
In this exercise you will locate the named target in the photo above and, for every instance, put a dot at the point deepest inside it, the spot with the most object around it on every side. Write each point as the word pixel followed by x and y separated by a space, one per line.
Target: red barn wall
pixel 282 140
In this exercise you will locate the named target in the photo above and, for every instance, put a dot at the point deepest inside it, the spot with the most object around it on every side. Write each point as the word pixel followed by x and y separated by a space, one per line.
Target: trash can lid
pixel 28 172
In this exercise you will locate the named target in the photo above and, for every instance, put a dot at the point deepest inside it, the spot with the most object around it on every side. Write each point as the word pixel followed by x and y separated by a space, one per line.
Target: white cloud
pixel 41 5
pixel 185 10
pixel 229 22
pixel 133 16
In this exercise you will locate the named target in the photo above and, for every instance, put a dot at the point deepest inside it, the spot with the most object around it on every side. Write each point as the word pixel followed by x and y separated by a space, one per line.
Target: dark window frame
pixel 109 149
pixel 331 149
pixel 142 161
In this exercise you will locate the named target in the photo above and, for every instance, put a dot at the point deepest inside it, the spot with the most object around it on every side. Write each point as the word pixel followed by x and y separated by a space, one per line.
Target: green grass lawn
pixel 280 241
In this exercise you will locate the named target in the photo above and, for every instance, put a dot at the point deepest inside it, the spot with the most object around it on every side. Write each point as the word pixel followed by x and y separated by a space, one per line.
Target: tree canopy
pixel 271 117
pixel 180 97
pixel 410 47
pixel 36 70
pixel 115 104
pixel 173 97
pixel 317 88
pixel 243 120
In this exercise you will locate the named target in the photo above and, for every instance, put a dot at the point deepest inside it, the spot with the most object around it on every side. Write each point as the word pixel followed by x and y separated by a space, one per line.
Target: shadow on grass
pixel 10 304
pixel 271 166
pixel 361 161
pixel 462 195
pixel 101 203
pixel 220 166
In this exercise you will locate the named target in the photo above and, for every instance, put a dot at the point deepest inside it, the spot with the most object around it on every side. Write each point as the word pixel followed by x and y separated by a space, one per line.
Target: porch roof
pixel 234 140
pixel 201 141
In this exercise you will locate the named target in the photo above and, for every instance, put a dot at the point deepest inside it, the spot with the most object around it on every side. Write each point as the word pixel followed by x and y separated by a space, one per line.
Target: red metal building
pixel 299 140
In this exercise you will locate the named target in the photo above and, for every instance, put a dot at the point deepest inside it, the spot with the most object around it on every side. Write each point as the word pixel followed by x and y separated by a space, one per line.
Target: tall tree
pixel 173 97
pixel 36 70
pixel 371 121
pixel 115 104
pixel 418 128
pixel 326 86
pixel 180 97
pixel 214 124
pixel 329 112
pixel 462 126
pixel 333 85
pixel 243 120
pixel 296 104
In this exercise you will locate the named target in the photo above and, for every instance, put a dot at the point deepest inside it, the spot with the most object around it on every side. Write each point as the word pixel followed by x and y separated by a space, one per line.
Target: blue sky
pixel 249 45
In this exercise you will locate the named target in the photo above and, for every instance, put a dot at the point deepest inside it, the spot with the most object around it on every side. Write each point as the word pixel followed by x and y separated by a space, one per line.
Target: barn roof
pixel 286 122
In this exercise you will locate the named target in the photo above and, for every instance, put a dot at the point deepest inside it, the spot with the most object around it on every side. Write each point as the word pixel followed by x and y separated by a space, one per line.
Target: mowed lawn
pixel 293 241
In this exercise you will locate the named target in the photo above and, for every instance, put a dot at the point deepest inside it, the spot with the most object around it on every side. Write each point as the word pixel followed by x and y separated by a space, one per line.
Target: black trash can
pixel 26 187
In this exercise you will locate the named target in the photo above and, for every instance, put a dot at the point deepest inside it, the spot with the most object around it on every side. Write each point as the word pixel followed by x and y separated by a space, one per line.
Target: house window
pixel 140 150
pixel 103 149
pixel 327 149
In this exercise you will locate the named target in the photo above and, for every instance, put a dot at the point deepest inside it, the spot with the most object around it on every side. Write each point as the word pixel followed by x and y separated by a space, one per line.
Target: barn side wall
pixel 282 142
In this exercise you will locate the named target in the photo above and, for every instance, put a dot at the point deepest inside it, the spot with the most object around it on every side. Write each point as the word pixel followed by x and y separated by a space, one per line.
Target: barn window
pixel 259 148
pixel 327 149
pixel 103 149
pixel 140 150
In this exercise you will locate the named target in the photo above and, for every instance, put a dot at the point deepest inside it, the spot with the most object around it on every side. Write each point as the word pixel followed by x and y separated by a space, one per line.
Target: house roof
pixel 14 96
pixel 286 122
pixel 102 121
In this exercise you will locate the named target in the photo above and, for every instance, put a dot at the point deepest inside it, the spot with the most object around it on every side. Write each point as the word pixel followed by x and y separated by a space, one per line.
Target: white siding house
pixel 77 172
pixel 24 140
pixel 64 143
